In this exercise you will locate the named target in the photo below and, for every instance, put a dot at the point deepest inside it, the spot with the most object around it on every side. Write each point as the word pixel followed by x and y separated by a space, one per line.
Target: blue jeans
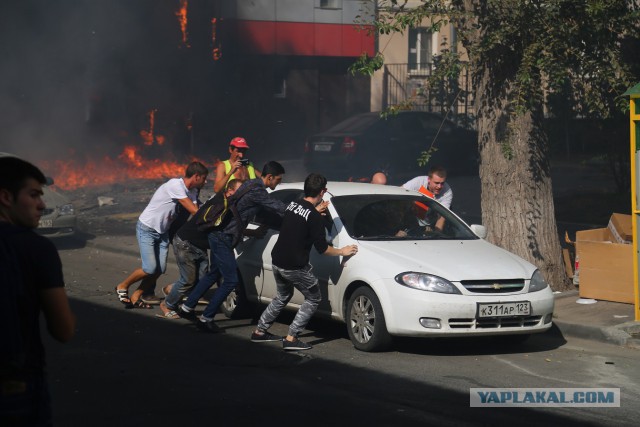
pixel 154 249
pixel 192 265
pixel 222 262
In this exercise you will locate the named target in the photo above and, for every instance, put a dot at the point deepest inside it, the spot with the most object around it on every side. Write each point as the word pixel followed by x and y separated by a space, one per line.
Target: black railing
pixel 409 86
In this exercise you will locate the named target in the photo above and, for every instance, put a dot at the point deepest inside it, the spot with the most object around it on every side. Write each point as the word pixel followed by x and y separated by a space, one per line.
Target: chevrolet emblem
pixel 496 286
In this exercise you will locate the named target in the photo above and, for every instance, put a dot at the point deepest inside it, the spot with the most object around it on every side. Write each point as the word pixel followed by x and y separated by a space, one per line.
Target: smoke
pixel 78 77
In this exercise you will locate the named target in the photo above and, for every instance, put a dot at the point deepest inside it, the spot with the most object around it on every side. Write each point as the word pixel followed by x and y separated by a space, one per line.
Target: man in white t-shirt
pixel 152 231
pixel 433 184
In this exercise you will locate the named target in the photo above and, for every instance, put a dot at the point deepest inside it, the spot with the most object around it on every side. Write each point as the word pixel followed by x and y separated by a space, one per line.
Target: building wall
pixel 395 48
pixel 306 47
pixel 299 27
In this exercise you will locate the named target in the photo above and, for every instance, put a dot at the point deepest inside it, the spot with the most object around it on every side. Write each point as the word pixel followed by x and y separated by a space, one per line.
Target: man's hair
pixel 234 184
pixel 15 171
pixel 438 170
pixel 272 168
pixel 314 184
pixel 196 168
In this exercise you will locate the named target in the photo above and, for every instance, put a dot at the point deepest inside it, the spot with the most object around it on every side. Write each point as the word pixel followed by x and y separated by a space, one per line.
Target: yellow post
pixel 634 119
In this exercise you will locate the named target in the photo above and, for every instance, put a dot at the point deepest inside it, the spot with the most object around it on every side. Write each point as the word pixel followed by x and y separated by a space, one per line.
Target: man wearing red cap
pixel 236 167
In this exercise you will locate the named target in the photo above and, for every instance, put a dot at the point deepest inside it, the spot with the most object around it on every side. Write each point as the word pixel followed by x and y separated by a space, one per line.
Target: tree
pixel 520 51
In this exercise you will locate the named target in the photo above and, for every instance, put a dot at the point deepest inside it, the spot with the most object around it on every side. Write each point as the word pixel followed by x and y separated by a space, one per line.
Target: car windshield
pixel 398 217
pixel 355 124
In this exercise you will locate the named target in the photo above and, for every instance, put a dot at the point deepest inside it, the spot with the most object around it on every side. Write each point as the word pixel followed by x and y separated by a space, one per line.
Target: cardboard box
pixel 620 227
pixel 606 267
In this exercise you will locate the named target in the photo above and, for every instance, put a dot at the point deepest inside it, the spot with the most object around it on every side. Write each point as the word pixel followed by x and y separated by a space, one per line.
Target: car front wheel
pixel 365 321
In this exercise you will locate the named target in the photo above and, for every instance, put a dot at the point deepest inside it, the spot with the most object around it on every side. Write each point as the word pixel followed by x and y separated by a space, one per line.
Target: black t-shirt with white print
pixel 302 227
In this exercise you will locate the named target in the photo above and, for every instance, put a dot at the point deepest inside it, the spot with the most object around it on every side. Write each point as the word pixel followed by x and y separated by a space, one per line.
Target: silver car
pixel 59 217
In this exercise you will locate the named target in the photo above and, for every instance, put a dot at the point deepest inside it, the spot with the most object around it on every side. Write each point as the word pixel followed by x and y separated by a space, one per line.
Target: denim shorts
pixel 154 249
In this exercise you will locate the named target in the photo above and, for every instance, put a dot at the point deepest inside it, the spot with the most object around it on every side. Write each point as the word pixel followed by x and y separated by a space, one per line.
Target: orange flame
pixel 217 51
pixel 181 14
pixel 148 136
pixel 129 165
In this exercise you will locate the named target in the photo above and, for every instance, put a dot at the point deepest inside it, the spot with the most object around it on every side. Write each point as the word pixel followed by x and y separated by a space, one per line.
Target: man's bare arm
pixel 61 322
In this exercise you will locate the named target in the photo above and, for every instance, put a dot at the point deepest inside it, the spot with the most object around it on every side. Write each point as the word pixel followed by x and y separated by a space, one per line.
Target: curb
pixel 612 335
pixel 620 335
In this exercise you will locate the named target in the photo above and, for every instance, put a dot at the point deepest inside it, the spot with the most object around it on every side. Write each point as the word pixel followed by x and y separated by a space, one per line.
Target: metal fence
pixel 409 87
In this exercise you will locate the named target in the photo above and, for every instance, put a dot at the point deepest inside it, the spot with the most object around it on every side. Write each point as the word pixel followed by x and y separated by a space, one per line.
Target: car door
pixel 258 258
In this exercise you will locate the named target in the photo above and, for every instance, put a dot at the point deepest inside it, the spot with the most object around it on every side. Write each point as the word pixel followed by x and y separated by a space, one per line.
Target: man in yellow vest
pixel 237 167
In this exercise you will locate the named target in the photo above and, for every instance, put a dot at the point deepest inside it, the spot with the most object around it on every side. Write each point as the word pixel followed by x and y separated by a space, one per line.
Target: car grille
pixel 493 286
pixel 495 322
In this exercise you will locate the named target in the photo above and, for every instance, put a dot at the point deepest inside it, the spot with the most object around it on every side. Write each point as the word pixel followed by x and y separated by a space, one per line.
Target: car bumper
pixel 456 315
pixel 63 226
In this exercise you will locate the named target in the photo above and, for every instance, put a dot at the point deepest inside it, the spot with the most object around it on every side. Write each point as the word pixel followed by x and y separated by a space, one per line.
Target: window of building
pixel 420 50
pixel 330 4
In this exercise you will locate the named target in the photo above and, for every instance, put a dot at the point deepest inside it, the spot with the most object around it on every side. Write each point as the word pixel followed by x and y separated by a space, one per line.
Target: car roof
pixel 341 188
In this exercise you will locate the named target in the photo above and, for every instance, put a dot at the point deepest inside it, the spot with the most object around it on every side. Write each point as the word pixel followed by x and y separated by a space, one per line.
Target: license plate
pixel 322 147
pixel 507 309
pixel 45 223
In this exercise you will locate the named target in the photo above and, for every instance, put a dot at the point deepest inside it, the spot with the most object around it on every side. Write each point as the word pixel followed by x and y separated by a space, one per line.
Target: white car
pixel 408 278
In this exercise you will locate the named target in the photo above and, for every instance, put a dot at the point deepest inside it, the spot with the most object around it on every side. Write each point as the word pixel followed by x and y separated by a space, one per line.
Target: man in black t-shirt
pixel 32 282
pixel 302 227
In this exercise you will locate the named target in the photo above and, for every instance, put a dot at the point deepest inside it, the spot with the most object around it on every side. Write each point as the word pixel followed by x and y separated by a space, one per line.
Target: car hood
pixel 53 199
pixel 454 260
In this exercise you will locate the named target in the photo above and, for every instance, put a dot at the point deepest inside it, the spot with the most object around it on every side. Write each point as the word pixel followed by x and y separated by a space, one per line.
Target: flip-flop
pixel 123 297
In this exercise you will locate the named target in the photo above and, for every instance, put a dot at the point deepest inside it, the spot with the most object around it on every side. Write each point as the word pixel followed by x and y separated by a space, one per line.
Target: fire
pixel 216 52
pixel 181 14
pixel 148 136
pixel 128 165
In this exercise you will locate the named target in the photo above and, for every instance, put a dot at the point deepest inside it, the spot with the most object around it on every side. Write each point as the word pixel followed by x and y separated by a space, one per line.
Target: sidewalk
pixel 603 321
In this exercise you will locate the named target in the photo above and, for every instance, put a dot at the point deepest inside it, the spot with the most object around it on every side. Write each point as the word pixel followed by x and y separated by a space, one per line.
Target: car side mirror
pixel 479 230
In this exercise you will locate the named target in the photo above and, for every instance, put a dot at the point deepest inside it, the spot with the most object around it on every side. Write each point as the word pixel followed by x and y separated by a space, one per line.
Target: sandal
pixel 123 296
pixel 139 304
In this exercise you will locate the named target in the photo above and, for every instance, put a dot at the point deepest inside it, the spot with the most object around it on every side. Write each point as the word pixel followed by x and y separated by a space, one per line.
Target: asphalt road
pixel 127 367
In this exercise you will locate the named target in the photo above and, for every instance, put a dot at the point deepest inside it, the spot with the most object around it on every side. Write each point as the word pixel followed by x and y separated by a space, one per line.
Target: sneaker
pixel 265 337
pixel 186 313
pixel 208 326
pixel 295 345
pixel 151 299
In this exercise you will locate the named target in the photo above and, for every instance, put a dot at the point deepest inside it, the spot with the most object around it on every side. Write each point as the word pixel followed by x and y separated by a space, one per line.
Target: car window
pixel 382 217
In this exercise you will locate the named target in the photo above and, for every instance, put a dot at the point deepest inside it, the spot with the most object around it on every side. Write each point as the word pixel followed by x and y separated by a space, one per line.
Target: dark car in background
pixel 363 144
pixel 59 217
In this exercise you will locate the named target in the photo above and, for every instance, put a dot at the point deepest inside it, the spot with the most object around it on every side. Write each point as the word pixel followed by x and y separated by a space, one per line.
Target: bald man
pixel 379 178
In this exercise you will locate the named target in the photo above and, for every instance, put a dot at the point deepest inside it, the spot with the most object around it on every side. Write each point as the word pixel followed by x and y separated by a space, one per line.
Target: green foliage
pixel 568 50
pixel 425 156
pixel 366 65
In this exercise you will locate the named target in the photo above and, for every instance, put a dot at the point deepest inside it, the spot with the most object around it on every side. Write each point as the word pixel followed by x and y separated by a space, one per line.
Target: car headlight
pixel 426 282
pixel 67 209
pixel 537 282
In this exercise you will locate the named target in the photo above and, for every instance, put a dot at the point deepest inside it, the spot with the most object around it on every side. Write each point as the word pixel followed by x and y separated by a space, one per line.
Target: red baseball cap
pixel 238 142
